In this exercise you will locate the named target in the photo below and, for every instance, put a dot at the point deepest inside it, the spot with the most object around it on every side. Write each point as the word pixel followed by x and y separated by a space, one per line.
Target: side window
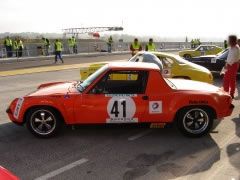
pixel 201 48
pixel 211 48
pixel 167 62
pixel 122 82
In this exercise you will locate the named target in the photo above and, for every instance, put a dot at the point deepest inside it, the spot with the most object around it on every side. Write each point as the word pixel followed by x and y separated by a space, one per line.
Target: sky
pixel 165 18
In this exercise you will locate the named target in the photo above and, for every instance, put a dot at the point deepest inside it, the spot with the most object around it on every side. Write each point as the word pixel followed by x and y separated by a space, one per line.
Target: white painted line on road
pixel 62 169
pixel 139 135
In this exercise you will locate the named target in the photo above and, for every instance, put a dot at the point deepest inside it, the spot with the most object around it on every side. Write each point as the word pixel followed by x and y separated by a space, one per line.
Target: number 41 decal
pixel 121 109
pixel 115 108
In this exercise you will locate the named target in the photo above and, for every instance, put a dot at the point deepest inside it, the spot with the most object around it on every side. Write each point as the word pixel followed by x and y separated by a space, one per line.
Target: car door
pixel 201 51
pixel 115 100
pixel 210 50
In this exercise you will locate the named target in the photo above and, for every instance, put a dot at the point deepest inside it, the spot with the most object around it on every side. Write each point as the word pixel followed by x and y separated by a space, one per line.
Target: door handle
pixel 145 97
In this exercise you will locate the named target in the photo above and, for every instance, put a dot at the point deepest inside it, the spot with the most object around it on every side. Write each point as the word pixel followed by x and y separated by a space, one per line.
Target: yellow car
pixel 201 50
pixel 171 66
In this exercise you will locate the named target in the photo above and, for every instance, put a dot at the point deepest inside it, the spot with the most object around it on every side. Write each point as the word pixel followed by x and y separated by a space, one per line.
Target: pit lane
pixel 114 152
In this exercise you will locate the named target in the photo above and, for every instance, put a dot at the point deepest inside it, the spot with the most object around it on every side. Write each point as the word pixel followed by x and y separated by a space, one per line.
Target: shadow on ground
pixel 164 151
pixel 233 150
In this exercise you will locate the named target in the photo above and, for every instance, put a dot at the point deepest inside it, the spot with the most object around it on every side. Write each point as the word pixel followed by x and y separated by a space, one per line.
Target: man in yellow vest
pixel 19 47
pixel 74 42
pixel 150 46
pixel 46 45
pixel 15 47
pixel 58 50
pixel 135 47
pixel 8 45
pixel 70 45
pixel 109 43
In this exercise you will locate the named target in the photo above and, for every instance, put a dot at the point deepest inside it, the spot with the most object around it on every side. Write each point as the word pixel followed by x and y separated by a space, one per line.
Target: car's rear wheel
pixel 195 121
pixel 187 56
pixel 43 121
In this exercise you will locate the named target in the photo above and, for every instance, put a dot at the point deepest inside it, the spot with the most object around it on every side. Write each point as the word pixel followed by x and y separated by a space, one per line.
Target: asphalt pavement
pixel 113 152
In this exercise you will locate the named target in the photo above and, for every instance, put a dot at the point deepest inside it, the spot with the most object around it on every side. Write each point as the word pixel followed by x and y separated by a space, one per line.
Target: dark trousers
pixel 19 52
pixel 9 51
pixel 109 48
pixel 46 48
pixel 75 49
pixel 58 54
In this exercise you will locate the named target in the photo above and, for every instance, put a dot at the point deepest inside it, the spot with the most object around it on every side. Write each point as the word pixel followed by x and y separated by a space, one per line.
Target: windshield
pixel 223 54
pixel 81 86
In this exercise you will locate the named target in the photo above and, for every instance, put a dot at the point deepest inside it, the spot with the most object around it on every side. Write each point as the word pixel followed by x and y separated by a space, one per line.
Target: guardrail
pixel 37 49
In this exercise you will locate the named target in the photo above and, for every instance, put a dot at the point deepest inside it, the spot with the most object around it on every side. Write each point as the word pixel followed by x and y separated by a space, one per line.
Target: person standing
pixel 15 47
pixel 150 46
pixel 8 45
pixel 58 50
pixel 135 47
pixel 19 48
pixel 46 45
pixel 70 45
pixel 109 43
pixel 74 42
pixel 232 65
pixel 225 44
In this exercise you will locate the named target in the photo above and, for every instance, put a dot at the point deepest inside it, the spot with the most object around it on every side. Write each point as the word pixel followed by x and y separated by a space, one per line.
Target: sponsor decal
pixel 18 107
pixel 66 96
pixel 155 107
pixel 198 102
pixel 121 109
pixel 120 95
pixel 166 72
pixel 213 60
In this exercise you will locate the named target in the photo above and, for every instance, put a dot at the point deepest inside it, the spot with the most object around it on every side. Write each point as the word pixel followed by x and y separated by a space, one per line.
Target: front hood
pixel 190 85
pixel 55 89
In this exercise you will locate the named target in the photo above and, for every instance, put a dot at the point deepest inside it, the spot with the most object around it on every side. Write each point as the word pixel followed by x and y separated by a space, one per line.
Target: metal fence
pixel 37 49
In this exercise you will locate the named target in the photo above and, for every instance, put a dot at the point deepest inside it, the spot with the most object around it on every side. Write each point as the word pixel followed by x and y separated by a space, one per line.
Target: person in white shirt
pixel 232 65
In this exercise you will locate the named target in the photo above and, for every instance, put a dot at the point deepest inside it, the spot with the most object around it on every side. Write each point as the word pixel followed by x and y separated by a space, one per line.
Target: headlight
pixel 210 76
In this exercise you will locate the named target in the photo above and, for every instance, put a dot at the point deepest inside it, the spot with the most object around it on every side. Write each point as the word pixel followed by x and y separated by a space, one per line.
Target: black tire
pixel 43 122
pixel 195 121
pixel 187 56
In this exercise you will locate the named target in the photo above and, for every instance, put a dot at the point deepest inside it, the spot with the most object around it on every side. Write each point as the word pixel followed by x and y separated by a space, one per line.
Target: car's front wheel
pixel 187 56
pixel 43 121
pixel 195 121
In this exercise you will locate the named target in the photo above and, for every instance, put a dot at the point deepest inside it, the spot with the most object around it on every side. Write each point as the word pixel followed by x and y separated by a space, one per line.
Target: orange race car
pixel 7 175
pixel 147 98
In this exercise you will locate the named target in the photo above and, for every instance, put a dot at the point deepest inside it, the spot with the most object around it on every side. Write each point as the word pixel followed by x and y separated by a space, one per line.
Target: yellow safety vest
pixel 74 41
pixel 151 47
pixel 20 44
pixel 136 46
pixel 15 45
pixel 8 42
pixel 70 42
pixel 58 46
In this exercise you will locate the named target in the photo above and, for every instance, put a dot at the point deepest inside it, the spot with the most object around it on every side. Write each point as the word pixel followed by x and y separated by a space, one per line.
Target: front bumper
pixel 11 117
pixel 226 112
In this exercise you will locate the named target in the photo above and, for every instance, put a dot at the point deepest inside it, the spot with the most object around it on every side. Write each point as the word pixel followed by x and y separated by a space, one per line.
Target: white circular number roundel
pixel 121 108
